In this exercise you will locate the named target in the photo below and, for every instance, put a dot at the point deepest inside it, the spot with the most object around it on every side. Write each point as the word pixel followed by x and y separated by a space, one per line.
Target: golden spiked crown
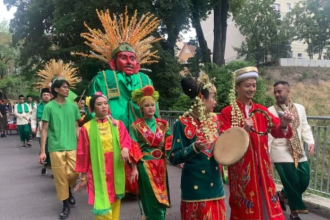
pixel 121 30
pixel 55 70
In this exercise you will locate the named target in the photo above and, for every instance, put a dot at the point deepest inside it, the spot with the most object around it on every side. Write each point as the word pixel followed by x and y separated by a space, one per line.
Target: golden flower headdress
pixel 122 30
pixel 55 70
pixel 208 127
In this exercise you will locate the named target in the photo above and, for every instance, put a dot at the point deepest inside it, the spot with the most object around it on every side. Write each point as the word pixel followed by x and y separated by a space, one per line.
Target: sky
pixel 4 14
pixel 7 15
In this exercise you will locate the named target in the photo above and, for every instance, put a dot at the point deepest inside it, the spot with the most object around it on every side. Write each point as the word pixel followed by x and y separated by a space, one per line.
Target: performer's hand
pixel 125 155
pixel 201 145
pixel 134 175
pixel 286 119
pixel 42 158
pixel 311 149
pixel 81 185
pixel 248 123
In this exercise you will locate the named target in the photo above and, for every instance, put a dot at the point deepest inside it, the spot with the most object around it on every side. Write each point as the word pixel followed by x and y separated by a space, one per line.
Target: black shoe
pixel 65 212
pixel 29 145
pixel 283 206
pixel 294 218
pixel 43 171
pixel 72 200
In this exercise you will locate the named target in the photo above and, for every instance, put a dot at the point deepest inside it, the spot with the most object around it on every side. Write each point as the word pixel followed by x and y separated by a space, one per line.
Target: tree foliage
pixel 266 36
pixel 51 29
pixel 7 51
pixel 310 21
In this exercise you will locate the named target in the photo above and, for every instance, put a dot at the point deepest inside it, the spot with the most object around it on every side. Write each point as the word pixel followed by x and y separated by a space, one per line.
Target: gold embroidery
pixel 211 184
pixel 203 171
pixel 216 168
pixel 196 187
pixel 178 140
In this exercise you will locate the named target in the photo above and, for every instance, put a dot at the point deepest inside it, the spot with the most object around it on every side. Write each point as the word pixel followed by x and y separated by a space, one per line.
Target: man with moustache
pixel 288 155
pixel 251 183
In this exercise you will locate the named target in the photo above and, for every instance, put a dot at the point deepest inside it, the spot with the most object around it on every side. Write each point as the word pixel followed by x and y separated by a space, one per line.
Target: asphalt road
pixel 27 195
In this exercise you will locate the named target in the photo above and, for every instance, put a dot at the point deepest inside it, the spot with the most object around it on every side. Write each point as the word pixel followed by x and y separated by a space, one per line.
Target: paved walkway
pixel 27 195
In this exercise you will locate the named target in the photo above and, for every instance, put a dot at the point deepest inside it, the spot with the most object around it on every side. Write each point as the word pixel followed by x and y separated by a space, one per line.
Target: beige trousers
pixel 63 169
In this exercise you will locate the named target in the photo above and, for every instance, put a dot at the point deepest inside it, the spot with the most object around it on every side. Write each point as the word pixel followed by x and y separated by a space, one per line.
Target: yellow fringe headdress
pixel 122 30
pixel 54 70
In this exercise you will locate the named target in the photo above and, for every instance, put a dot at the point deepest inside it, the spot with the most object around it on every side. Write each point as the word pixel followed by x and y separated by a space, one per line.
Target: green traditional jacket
pixel 118 87
pixel 40 110
pixel 200 179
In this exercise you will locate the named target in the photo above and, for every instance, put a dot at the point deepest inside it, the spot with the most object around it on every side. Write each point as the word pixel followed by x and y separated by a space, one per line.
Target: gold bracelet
pixel 83 179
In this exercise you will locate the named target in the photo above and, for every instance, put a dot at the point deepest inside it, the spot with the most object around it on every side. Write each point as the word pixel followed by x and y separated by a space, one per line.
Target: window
pixel 289 7
pixel 299 55
pixel 277 8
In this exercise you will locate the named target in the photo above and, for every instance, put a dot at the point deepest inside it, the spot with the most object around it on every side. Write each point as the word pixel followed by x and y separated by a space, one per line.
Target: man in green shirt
pixel 36 124
pixel 60 125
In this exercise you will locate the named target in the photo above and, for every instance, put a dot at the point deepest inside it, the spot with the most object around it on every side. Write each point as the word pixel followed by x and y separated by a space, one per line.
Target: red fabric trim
pixel 210 210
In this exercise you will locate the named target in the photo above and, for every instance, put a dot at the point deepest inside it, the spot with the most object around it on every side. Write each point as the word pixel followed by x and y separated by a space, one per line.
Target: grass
pixel 314 97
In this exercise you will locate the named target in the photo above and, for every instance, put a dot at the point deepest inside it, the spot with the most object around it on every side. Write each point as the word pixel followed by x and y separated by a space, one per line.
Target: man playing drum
pixel 252 188
pixel 289 156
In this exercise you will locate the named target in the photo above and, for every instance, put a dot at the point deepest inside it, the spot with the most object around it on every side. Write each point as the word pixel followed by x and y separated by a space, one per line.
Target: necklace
pixel 103 127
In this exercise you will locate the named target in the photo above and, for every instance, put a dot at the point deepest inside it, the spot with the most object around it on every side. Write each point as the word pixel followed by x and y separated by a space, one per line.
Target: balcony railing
pixel 319 163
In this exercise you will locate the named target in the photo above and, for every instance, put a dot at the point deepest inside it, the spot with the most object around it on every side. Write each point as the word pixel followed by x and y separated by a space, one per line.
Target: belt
pixel 154 154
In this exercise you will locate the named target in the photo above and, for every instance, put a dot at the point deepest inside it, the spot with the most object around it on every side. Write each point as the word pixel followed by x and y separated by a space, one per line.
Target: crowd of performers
pixel 119 144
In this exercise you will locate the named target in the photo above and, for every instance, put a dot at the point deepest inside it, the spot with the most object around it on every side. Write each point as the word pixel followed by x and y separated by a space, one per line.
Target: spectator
pixel 3 119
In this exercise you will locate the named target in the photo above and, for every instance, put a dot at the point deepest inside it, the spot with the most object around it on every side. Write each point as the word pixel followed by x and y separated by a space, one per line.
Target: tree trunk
pixel 199 32
pixel 220 32
pixel 173 33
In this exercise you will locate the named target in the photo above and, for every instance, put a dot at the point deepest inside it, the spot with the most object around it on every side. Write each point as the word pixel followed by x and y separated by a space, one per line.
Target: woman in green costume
pixel 153 137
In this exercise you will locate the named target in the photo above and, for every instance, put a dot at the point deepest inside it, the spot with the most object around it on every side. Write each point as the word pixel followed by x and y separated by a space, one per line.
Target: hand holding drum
pixel 231 146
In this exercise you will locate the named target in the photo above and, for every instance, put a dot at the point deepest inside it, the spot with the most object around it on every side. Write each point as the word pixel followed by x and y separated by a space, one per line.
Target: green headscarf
pixel 20 110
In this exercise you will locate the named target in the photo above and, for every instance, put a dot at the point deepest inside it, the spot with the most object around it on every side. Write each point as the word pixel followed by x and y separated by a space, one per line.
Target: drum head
pixel 231 146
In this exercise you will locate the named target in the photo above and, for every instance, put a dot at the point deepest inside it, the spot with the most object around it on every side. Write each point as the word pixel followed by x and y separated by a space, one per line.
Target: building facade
pixel 235 38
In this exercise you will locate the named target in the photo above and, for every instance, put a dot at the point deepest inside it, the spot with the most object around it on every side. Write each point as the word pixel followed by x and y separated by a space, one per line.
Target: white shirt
pixel 21 117
pixel 33 117
pixel 279 148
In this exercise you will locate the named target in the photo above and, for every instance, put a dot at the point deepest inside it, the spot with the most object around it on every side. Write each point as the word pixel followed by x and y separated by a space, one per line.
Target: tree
pixel 199 11
pixel 7 51
pixel 221 10
pixel 52 28
pixel 310 21
pixel 264 32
